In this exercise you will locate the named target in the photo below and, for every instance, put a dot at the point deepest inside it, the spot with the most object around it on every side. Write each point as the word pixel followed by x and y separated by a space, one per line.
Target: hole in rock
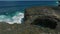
pixel 45 22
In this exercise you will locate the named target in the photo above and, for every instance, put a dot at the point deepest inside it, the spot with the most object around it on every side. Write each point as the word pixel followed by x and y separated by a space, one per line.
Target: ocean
pixel 13 11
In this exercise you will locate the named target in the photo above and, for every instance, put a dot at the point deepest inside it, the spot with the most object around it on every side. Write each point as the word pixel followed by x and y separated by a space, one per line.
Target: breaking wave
pixel 16 18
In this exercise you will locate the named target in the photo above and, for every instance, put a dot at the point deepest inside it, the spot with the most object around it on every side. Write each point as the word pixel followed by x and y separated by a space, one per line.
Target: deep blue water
pixel 10 9
pixel 12 6
pixel 27 3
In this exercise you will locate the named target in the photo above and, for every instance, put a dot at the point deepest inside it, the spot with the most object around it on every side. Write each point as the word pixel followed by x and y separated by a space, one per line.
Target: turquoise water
pixel 13 11
pixel 11 15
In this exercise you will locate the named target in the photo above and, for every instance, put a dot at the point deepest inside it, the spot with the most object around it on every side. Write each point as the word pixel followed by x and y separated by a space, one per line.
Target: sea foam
pixel 17 18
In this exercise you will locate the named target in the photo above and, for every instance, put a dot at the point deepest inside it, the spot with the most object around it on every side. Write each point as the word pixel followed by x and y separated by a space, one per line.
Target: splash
pixel 16 18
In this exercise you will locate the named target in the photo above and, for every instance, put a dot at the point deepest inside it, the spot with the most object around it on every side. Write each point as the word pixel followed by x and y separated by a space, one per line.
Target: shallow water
pixel 11 15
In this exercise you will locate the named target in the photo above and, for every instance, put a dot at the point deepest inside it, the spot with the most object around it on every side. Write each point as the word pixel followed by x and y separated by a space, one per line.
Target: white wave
pixel 17 18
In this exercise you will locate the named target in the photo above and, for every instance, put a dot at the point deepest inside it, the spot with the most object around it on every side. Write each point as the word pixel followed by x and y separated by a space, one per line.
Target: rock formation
pixel 42 16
